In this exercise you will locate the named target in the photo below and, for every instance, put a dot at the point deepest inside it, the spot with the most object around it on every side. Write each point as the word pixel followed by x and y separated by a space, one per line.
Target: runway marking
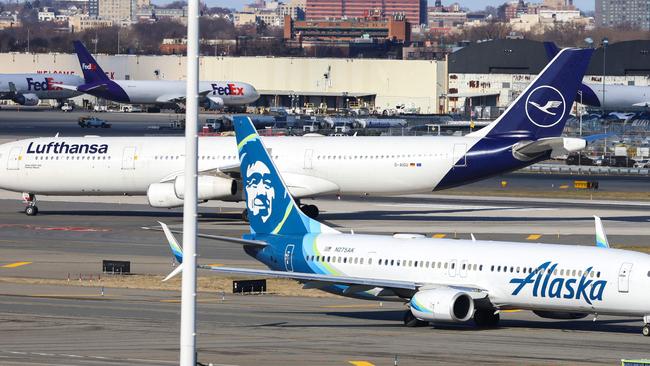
pixel 361 363
pixel 17 264
pixel 533 237
pixel 216 265
pixel 178 301
pixel 438 236
pixel 349 306
pixel 55 228
pixel 511 311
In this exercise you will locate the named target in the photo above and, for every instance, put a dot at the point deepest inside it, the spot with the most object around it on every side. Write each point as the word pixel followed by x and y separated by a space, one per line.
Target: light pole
pixel 605 43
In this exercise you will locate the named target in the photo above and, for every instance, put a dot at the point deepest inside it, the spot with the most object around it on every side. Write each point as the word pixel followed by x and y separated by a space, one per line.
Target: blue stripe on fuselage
pixel 489 157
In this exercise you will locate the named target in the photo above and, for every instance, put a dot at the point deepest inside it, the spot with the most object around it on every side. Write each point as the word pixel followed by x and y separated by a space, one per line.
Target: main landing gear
pixel 646 326
pixel 30 200
pixel 411 321
pixel 486 318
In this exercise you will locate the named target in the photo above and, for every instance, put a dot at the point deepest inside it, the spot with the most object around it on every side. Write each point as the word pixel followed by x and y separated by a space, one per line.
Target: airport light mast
pixel 188 296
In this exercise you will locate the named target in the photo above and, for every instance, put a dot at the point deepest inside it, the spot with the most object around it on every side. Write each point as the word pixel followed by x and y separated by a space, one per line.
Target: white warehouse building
pixel 383 83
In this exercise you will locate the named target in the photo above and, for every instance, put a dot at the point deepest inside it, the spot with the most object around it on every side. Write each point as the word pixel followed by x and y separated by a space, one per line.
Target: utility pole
pixel 188 297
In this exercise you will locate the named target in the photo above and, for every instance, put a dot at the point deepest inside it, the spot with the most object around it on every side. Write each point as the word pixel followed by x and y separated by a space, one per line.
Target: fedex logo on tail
pixel 90 67
pixel 229 89
pixel 47 84
pixel 546 283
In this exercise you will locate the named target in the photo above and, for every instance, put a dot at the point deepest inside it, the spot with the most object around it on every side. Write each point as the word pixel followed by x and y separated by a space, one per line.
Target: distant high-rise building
pixel 118 11
pixel 93 8
pixel 415 11
pixel 612 13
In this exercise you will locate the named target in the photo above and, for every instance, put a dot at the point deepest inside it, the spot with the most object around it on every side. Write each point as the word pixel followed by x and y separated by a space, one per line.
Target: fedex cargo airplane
pixel 30 89
pixel 528 132
pixel 214 94
pixel 440 280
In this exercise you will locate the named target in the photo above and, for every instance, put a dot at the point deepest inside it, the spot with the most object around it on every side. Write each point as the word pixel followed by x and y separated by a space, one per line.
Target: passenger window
pixel 370 261
pixel 380 262
pixel 392 262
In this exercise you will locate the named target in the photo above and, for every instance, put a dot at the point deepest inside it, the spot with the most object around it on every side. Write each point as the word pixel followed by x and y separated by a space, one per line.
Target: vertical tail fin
pixel 542 109
pixel 93 73
pixel 271 209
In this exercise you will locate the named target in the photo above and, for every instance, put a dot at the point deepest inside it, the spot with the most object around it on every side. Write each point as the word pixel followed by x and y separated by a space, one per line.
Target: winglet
pixel 176 249
pixel 601 237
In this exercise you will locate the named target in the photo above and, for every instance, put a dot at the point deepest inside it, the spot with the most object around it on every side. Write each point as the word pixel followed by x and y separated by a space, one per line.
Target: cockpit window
pixel 648 273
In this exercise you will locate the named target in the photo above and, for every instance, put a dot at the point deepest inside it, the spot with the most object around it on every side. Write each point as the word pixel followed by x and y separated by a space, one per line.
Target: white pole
pixel 188 298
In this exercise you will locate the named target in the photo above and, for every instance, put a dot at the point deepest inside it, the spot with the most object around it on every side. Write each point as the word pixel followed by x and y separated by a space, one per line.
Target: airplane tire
pixel 31 210
pixel 244 215
pixel 486 318
pixel 310 210
pixel 411 321
pixel 646 330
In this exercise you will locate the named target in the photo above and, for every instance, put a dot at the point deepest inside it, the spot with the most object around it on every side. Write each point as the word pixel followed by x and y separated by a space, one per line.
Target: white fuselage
pixel 43 86
pixel 158 91
pixel 614 281
pixel 311 166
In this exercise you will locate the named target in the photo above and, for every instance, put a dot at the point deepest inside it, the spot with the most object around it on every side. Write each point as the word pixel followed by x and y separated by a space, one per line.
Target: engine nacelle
pixel 212 103
pixel 442 305
pixel 26 99
pixel 163 195
pixel 209 187
pixel 563 315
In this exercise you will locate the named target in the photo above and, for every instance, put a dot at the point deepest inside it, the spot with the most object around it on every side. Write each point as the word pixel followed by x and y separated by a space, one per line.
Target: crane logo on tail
pixel 545 106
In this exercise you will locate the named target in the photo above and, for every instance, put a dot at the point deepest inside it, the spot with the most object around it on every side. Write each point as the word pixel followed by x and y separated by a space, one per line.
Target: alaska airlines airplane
pixel 442 280
pixel 30 89
pixel 214 94
pixel 528 132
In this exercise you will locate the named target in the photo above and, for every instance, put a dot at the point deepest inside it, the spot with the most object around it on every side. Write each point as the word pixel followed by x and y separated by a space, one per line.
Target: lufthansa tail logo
pixel 548 106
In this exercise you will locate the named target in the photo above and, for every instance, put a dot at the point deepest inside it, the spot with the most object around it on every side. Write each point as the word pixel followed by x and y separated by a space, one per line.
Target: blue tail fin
pixel 542 109
pixel 93 73
pixel 271 209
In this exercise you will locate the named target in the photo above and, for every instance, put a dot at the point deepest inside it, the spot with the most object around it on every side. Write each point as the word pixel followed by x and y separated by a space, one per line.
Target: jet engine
pixel 563 315
pixel 163 195
pixel 26 99
pixel 209 187
pixel 442 305
pixel 212 103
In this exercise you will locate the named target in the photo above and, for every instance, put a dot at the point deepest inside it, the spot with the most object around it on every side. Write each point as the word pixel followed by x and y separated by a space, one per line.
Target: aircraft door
pixel 463 268
pixel 624 277
pixel 14 158
pixel 459 155
pixel 453 268
pixel 129 158
pixel 288 258
pixel 309 154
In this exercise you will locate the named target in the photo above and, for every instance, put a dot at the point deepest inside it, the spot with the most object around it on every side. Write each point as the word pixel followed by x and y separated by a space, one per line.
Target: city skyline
pixel 585 5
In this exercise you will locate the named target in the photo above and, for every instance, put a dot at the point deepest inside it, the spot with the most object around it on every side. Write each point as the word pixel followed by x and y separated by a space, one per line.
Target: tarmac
pixel 71 325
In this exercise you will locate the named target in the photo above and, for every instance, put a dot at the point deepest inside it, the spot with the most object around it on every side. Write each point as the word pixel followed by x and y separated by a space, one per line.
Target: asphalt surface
pixel 68 325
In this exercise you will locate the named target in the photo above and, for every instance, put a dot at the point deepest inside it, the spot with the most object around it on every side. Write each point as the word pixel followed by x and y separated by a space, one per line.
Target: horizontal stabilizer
pixel 557 146
pixel 173 273
pixel 227 239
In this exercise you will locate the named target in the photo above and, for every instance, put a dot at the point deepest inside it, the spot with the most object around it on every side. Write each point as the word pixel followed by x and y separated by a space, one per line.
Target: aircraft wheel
pixel 244 215
pixel 31 210
pixel 646 330
pixel 486 318
pixel 411 321
pixel 310 210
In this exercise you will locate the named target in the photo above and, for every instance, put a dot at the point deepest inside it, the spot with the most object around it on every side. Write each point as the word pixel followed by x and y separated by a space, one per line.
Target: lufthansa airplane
pixel 30 89
pixel 441 280
pixel 214 94
pixel 528 132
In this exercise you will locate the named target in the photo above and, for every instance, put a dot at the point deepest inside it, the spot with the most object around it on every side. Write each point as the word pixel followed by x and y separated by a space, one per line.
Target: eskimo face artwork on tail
pixel 259 190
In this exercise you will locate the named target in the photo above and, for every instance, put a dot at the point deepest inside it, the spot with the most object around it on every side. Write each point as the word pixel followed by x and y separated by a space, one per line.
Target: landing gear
pixel 411 321
pixel 646 330
pixel 486 318
pixel 244 215
pixel 310 210
pixel 30 200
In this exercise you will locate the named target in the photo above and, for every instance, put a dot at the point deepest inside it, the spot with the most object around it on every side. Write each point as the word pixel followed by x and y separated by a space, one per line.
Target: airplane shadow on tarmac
pixel 622 325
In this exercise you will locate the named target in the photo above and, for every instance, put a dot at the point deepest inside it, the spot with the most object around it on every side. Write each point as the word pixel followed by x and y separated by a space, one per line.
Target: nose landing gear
pixel 31 209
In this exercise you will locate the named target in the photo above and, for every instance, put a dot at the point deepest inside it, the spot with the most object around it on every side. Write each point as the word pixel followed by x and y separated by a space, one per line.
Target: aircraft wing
pixel 228 239
pixel 178 97
pixel 641 104
pixel 67 87
pixel 557 146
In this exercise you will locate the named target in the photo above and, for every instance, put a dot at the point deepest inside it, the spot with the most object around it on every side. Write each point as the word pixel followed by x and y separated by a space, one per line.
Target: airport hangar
pixel 384 83
pixel 486 74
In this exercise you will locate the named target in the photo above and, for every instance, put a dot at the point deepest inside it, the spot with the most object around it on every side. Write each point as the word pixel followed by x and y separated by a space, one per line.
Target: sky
pixel 472 4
